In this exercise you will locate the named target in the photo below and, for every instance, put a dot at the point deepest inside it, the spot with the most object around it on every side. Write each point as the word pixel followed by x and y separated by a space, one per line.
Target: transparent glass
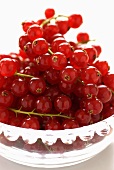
pixel 50 149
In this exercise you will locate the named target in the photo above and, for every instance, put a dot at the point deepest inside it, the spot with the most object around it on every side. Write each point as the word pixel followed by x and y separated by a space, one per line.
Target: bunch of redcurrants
pixel 53 83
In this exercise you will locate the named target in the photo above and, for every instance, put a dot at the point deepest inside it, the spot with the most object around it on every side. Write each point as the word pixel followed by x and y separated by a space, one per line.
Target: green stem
pixel 79 43
pixel 39 114
pixel 50 52
pixel 23 75
pixel 48 20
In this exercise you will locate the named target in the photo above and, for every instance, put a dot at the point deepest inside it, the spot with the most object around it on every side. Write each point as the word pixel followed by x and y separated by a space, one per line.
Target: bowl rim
pixel 75 130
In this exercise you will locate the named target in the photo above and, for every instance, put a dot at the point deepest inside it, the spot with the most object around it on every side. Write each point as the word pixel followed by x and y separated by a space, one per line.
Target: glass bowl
pixel 51 149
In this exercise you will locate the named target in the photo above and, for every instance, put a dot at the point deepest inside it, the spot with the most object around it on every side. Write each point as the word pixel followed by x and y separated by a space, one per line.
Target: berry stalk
pixel 23 75
pixel 39 114
pixel 55 17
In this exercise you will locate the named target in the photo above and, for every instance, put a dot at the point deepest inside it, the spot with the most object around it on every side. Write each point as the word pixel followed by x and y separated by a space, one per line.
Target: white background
pixel 98 16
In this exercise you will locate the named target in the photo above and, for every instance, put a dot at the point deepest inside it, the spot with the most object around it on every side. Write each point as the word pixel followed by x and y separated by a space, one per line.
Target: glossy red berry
pixel 90 90
pixel 29 51
pixel 79 59
pixel 98 49
pixel 82 117
pixel 56 42
pixel 34 32
pixel 104 93
pixel 52 76
pixel 68 75
pixel 2 81
pixel 7 67
pixel 52 124
pixel 65 48
pixel 70 124
pixel 27 102
pixel 91 52
pixel 30 123
pixel 23 40
pixel 43 104
pixel 82 37
pixel 63 26
pixel 26 25
pixel 49 12
pixel 102 66
pixel 75 20
pixel 66 88
pixel 37 85
pixel 52 92
pixel 49 31
pixel 19 87
pixel 6 98
pixel 4 114
pixel 58 61
pixel 40 46
pixel 93 106
pixel 62 103
pixel 108 80
pixel 90 75
pixel 43 62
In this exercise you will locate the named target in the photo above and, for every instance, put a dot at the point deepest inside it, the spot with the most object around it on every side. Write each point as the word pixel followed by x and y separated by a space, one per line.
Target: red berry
pixel 90 75
pixel 26 25
pixel 52 76
pixel 108 80
pixel 4 114
pixel 19 87
pixel 82 37
pixel 66 88
pixel 82 117
pixel 63 26
pixel 68 75
pixel 52 92
pixel 62 103
pixel 34 32
pixel 56 42
pixel 2 81
pixel 102 66
pixel 98 49
pixel 65 48
pixel 31 70
pixel 29 51
pixel 49 31
pixel 30 123
pixel 104 93
pixel 43 104
pixel 7 67
pixel 70 124
pixel 16 120
pixel 58 61
pixel 91 52
pixel 93 106
pixel 40 46
pixel 79 59
pixel 75 20
pixel 49 12
pixel 109 111
pixel 43 62
pixel 52 125
pixel 90 90
pixel 23 40
pixel 6 98
pixel 37 86
pixel 40 21
pixel 27 102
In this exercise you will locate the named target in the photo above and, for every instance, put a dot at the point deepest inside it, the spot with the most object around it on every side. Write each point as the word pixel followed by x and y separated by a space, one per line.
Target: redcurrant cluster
pixel 53 83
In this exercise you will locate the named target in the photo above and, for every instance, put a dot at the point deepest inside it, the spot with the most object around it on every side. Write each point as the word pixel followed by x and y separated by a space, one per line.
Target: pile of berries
pixel 52 83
